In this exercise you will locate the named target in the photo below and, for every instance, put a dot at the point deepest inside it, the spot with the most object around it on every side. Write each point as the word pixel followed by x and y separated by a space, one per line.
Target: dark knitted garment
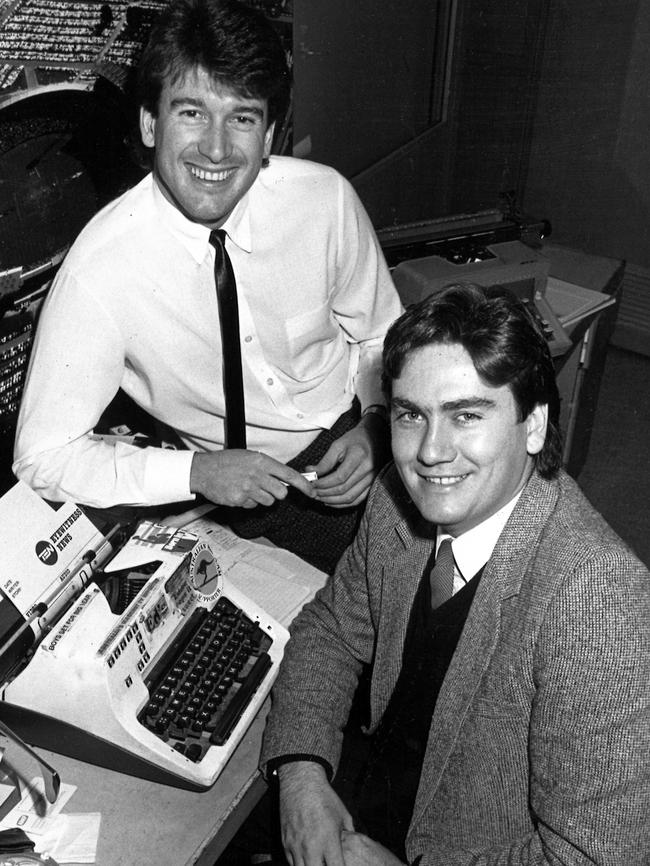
pixel 315 532
pixel 378 779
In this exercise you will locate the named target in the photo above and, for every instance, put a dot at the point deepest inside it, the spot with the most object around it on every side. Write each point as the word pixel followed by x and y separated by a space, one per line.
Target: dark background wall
pixel 589 165
pixel 548 102
pixel 589 161
pixel 423 125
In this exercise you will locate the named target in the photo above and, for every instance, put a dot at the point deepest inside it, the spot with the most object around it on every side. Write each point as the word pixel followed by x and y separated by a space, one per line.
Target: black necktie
pixel 441 578
pixel 233 385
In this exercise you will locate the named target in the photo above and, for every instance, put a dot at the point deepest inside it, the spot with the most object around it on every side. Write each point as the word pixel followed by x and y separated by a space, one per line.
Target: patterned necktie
pixel 233 385
pixel 441 578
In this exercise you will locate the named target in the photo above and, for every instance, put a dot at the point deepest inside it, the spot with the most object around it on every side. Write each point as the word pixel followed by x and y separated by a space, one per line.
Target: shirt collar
pixel 473 548
pixel 194 236
pixel 238 224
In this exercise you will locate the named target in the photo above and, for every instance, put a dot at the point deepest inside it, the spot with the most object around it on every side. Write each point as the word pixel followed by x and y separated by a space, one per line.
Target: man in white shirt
pixel 134 304
pixel 506 721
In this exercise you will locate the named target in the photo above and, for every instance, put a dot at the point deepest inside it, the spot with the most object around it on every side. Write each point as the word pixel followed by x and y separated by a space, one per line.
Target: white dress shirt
pixel 134 306
pixel 473 548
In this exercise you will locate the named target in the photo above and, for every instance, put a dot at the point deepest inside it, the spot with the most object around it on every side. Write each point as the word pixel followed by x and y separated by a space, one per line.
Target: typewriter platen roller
pixel 511 264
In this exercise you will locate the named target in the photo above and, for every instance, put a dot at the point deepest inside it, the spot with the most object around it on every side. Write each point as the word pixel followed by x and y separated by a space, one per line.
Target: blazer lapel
pixel 402 562
pixel 501 579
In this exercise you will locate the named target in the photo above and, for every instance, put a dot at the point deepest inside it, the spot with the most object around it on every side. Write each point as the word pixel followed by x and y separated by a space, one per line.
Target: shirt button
pixel 248 339
pixel 300 415
pixel 269 381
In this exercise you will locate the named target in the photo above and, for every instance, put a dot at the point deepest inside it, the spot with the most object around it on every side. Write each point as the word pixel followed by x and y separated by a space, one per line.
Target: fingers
pixel 352 463
pixel 349 484
pixel 274 478
pixel 332 458
pixel 243 479
pixel 316 852
pixel 344 496
pixel 360 850
pixel 258 480
pixel 246 479
pixel 302 481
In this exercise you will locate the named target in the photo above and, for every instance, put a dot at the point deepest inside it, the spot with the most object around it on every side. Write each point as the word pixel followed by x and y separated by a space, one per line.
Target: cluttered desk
pixel 141 668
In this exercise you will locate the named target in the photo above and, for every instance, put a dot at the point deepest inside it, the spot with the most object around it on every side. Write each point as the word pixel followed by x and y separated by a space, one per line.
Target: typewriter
pixel 488 248
pixel 155 668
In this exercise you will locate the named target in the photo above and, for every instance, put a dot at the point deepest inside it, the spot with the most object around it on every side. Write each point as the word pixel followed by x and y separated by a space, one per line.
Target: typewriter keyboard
pixel 204 681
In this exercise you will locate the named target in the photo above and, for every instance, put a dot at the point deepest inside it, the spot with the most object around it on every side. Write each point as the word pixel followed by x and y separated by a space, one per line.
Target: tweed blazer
pixel 539 746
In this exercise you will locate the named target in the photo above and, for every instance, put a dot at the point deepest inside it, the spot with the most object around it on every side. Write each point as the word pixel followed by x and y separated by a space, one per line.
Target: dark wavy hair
pixel 236 45
pixel 503 340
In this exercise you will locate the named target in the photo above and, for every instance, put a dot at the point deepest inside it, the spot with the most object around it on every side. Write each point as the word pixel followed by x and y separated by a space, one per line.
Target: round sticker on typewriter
pixel 205 573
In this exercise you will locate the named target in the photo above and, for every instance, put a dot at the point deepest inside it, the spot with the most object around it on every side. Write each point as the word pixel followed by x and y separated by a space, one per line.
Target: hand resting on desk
pixel 243 479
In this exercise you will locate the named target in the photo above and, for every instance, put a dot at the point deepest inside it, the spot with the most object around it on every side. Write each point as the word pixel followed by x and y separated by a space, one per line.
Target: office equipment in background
pixel 584 290
pixel 15 345
pixel 20 298
pixel 511 264
pixel 156 668
pixel 574 304
pixel 21 294
pixel 573 294
pixel 458 236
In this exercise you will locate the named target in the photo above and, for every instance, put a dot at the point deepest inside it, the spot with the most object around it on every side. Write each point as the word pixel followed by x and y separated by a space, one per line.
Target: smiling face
pixel 459 447
pixel 209 145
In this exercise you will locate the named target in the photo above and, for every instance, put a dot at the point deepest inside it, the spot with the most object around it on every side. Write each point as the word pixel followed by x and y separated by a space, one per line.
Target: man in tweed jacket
pixel 538 747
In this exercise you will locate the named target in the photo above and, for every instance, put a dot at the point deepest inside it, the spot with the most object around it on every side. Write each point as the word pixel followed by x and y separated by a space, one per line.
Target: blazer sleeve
pixel 590 724
pixel 589 729
pixel 331 639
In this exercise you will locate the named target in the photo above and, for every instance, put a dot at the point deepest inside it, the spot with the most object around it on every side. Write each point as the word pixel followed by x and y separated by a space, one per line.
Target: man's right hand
pixel 243 479
pixel 312 816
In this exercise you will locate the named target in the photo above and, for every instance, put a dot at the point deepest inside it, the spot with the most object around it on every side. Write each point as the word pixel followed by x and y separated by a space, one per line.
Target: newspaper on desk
pixel 279 581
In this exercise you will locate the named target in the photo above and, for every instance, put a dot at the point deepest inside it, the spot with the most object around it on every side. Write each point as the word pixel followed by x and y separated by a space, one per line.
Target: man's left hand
pixel 348 468
pixel 359 850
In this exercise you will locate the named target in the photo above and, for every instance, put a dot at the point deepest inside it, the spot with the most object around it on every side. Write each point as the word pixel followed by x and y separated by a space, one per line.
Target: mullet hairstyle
pixel 503 340
pixel 236 45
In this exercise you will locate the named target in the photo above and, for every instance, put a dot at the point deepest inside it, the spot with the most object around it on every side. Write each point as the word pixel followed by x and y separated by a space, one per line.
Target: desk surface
pixel 151 824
